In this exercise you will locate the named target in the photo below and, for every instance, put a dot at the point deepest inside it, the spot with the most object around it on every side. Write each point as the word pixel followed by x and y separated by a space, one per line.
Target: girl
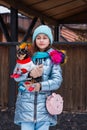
pixel 31 112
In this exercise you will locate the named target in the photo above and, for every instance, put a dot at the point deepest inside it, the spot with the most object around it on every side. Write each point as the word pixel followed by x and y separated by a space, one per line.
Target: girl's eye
pixel 45 38
pixel 41 38
pixel 38 38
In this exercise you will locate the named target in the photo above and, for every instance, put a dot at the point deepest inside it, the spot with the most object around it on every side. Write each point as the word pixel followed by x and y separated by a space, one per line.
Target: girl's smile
pixel 42 41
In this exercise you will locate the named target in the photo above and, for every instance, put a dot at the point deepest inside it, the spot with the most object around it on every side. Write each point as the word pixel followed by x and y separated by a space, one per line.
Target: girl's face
pixel 42 41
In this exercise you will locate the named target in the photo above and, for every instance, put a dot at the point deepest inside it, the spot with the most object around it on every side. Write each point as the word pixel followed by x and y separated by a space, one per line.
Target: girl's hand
pixel 27 84
pixel 37 87
pixel 37 72
pixel 32 87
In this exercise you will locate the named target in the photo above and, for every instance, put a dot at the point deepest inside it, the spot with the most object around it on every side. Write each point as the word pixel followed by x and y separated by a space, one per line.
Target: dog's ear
pixel 17 47
pixel 26 48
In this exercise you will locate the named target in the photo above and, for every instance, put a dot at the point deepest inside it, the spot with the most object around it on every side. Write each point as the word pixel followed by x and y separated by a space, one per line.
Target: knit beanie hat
pixel 43 29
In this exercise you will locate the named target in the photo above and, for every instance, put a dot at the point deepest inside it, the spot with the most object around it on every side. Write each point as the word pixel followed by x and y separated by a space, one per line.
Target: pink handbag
pixel 54 104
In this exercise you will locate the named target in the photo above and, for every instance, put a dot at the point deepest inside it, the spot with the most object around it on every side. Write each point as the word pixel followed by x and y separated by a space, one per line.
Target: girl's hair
pixel 36 49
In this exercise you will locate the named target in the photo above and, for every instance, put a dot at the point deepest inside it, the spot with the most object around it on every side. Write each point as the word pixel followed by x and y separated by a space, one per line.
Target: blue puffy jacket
pixel 31 106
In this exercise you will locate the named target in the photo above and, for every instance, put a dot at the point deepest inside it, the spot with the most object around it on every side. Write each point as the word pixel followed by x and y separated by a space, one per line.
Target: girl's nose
pixel 41 39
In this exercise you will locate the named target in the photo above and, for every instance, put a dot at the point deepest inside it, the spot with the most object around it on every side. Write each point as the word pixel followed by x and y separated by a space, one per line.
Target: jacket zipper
pixel 35 107
pixel 38 62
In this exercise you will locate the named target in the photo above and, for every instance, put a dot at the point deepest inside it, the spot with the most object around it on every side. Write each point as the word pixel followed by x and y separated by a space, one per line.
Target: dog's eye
pixel 21 52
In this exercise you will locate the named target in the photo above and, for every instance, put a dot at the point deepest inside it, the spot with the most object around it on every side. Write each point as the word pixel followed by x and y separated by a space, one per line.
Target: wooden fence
pixel 4 75
pixel 74 86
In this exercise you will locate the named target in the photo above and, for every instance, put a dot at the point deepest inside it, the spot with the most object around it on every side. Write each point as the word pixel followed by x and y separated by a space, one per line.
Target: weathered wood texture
pixel 74 86
pixel 4 75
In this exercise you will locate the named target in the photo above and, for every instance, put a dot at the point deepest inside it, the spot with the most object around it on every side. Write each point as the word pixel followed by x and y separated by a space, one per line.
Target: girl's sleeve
pixel 55 80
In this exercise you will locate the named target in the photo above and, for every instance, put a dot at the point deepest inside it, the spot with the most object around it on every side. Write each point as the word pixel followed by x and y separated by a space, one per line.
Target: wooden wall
pixel 4 75
pixel 74 86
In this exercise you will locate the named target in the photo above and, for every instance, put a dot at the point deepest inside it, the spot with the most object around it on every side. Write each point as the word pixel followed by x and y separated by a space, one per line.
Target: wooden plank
pixel 32 1
pixel 4 76
pixel 76 79
pixel 84 76
pixel 69 13
pixel 9 43
pixel 4 29
pixel 12 55
pixel 65 8
pixel 67 76
pixel 47 5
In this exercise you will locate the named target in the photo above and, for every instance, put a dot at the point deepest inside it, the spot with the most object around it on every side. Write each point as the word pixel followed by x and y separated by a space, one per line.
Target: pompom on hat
pixel 43 29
